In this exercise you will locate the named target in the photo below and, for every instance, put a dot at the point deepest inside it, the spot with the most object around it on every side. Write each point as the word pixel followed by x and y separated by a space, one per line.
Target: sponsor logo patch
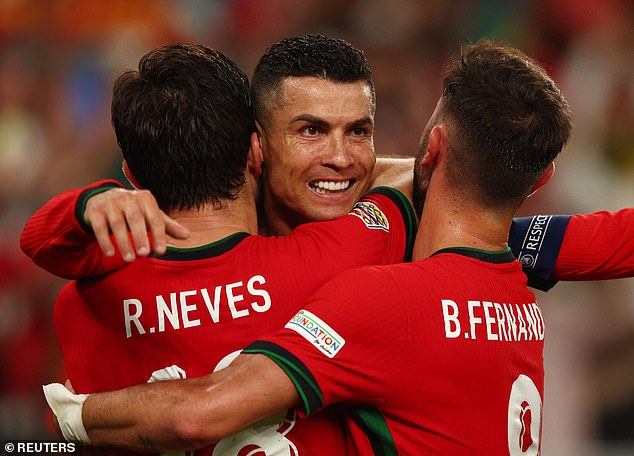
pixel 371 215
pixel 318 333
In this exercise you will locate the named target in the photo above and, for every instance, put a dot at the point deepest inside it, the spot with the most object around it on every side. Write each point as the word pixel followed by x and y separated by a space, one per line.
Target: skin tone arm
pixel 190 413
pixel 397 172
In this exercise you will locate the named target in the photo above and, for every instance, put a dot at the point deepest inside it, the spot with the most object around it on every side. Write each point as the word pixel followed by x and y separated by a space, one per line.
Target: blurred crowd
pixel 58 59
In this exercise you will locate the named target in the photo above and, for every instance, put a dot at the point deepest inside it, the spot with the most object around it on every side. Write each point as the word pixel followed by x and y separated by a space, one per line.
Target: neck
pixel 273 221
pixel 446 222
pixel 209 224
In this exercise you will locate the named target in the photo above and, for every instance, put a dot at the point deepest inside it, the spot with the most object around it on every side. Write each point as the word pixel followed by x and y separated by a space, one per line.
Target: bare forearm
pixel 152 416
pixel 396 172
pixel 188 414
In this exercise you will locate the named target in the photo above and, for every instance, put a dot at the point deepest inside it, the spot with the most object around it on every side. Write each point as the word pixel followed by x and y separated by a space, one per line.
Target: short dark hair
pixel 508 121
pixel 304 56
pixel 183 121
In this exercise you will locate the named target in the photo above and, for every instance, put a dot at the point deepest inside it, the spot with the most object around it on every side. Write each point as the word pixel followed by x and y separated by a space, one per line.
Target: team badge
pixel 318 333
pixel 371 215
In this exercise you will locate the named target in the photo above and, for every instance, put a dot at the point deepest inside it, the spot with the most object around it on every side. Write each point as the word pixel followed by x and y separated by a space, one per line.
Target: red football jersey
pixel 597 246
pixel 592 246
pixel 57 239
pixel 443 356
pixel 188 312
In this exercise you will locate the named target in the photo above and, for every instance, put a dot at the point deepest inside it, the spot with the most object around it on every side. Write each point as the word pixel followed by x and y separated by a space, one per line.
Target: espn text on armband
pixel 38 447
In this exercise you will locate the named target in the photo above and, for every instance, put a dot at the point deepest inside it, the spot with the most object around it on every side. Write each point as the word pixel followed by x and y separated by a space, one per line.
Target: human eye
pixel 360 131
pixel 311 130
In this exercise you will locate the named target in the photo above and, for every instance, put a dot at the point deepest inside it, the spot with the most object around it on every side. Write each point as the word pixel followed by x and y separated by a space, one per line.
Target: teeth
pixel 329 186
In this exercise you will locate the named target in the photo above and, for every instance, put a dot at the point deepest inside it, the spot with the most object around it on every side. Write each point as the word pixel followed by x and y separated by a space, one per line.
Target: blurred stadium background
pixel 58 59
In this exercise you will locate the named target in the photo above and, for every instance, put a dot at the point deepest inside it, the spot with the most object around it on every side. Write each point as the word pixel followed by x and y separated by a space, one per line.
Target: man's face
pixel 318 150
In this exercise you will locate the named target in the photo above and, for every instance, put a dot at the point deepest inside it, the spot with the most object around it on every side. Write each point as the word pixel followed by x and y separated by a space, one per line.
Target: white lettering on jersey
pixel 262 293
pixel 163 310
pixel 233 299
pixel 213 307
pixel 186 308
pixel 492 321
pixel 132 317
pixel 450 314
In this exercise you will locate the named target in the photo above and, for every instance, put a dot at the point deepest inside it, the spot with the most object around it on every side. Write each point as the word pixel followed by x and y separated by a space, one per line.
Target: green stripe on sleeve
pixel 82 199
pixel 304 382
pixel 407 212
pixel 372 422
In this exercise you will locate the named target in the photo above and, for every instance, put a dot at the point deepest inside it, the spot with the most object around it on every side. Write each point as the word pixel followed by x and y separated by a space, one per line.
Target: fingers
pixel 156 224
pixel 175 229
pixel 141 212
pixel 128 216
pixel 159 224
pixel 101 230
pixel 117 221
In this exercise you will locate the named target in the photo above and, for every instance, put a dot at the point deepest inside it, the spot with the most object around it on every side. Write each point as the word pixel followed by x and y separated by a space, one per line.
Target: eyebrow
pixel 322 123
pixel 361 122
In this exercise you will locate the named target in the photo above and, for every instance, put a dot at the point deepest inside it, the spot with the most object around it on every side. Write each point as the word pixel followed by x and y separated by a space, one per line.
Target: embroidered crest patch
pixel 371 215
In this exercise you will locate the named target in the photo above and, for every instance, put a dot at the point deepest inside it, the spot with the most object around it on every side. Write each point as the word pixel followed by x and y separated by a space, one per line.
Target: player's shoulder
pixel 384 194
pixel 388 202
pixel 374 278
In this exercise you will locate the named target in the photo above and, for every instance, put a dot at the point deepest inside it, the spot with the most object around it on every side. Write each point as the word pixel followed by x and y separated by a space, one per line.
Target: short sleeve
pixel 346 344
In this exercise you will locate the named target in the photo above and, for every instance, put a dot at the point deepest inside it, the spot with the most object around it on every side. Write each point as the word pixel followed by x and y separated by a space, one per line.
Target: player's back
pixel 472 372
pixel 441 356
pixel 190 311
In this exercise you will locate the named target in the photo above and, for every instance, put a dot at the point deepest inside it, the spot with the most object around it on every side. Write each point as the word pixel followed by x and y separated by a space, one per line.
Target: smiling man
pixel 315 117
pixel 390 336
pixel 318 159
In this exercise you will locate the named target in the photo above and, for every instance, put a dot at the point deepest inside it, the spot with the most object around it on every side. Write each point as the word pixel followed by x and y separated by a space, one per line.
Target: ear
pixel 128 175
pixel 545 178
pixel 255 158
pixel 436 146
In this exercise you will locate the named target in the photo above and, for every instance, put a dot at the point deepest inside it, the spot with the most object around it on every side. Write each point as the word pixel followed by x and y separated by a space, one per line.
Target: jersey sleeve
pixel 57 239
pixel 597 246
pixel 401 216
pixel 379 229
pixel 535 242
pixel 333 350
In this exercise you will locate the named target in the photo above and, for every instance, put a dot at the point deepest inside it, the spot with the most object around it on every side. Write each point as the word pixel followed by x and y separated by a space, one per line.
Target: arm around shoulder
pixel 190 413
pixel 397 172
pixel 597 246
pixel 56 237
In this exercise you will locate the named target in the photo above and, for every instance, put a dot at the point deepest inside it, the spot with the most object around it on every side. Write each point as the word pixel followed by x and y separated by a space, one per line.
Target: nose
pixel 337 154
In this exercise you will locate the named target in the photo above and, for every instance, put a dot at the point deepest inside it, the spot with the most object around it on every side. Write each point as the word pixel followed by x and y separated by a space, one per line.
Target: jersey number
pixel 524 418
